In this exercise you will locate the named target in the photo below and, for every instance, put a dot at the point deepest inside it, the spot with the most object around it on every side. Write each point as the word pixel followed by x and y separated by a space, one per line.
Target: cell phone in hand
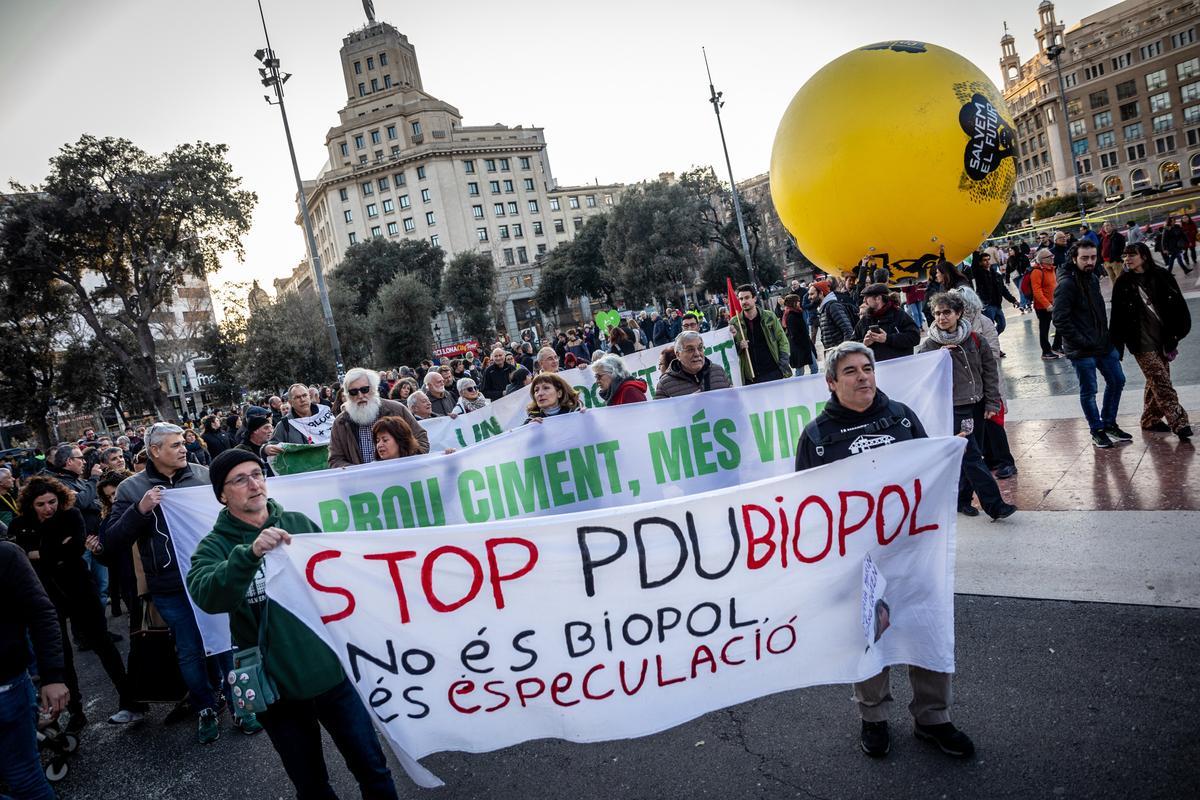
pixel 875 329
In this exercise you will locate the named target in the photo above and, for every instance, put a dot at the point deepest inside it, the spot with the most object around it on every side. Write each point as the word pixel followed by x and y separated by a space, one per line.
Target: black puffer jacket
pixel 1079 313
pixel 839 432
pixel 1129 311
pixel 903 334
pixel 836 324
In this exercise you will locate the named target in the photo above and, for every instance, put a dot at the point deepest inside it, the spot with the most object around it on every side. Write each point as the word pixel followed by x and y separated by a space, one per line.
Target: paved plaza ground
pixel 1078 628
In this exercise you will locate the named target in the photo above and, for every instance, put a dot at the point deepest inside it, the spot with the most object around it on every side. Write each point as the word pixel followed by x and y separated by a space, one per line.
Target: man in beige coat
pixel 350 441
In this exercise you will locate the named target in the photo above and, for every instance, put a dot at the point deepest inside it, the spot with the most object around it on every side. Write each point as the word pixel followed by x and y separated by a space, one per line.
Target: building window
pixel 1138 179
pixel 435 240
pixel 512 209
pixel 1163 122
pixel 359 141
pixel 559 227
pixel 1128 111
pixel 421 172
pixel 372 211
pixel 344 195
pixel 528 184
pixel 1133 131
pixel 1106 139
pixel 1156 80
pixel 469 166
pixel 482 233
pixel 393 229
pixel 523 258
pixel 1079 147
pixel 578 222
pixel 1083 166
pixel 370 62
pixel 477 211
pixel 398 180
pixel 389 206
pixel 1070 80
pixel 430 219
pixel 383 184
pixel 416 127
pixel 404 201
pixel 608 198
pixel 376 231
pixel 518 232
pixel 391 131
pixel 1190 92
pixel 1113 186
pixel 378 155
pixel 473 189
pixel 1122 61
pixel 383 59
pixel 368 188
pixel 1098 99
pixel 1196 165
pixel 409 225
pixel 362 159
pixel 1094 71
pixel 426 196
pixel 502 231
pixel 1135 152
pixel 348 215
pixel 374 84
pixel 353 237
pixel 1108 160
pixel 523 161
pixel 387 81
pixel 1077 128
pixel 554 206
pixel 498 209
pixel 358 68
pixel 537 229
pixel 345 148
pixel 504 165
pixel 591 201
pixel 541 249
pixel 1188 69
pixel 1164 144
pixel 1183 38
pixel 1074 108
pixel 573 201
pixel 1152 50
pixel 1126 90
pixel 509 258
pixel 490 164
pixel 508 187
pixel 533 206
pixel 494 187
pixel 362 90
pixel 1191 114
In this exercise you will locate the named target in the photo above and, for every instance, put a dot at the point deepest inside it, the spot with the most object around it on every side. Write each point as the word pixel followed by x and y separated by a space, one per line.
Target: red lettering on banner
pixel 641 678
pixel 587 691
pixel 309 573
pixel 495 577
pixel 538 686
pixel 843 529
pixel 753 541
pixel 814 500
pixel 394 560
pixel 703 656
pixel 891 488
pixel 913 529
pixel 504 698
pixel 725 652
pixel 461 687
pixel 665 681
pixel 427 577
pixel 560 684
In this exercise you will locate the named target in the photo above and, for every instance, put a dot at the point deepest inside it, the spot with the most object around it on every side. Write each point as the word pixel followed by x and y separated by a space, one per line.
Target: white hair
pixel 414 397
pixel 611 364
pixel 685 337
pixel 429 377
pixel 159 431
pixel 357 374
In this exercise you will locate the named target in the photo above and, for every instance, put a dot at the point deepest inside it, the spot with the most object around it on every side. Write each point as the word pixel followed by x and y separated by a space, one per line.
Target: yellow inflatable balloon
pixel 889 152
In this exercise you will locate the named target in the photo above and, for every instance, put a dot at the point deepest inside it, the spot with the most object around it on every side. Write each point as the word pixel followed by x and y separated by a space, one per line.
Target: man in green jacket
pixel 226 577
pixel 761 343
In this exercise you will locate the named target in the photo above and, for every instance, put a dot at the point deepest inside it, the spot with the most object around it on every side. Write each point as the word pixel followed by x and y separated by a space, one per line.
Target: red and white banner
pixel 457 349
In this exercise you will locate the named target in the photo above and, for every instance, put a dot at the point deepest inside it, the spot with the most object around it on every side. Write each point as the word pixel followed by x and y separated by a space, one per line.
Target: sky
pixel 618 86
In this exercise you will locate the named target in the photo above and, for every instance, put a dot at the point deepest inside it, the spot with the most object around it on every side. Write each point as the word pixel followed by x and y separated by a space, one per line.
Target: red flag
pixel 735 307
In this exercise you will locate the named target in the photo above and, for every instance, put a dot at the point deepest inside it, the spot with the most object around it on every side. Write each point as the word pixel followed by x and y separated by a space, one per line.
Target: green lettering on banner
pixel 671 460
pixel 493 485
pixel 364 506
pixel 335 516
pixel 763 427
pixel 469 482
pixel 414 510
pixel 524 485
pixel 702 447
pixel 730 455
pixel 484 430
pixel 647 375
pixel 461 441
pixel 777 431
pixel 585 473
pixel 557 478
pixel 608 451
pixel 722 350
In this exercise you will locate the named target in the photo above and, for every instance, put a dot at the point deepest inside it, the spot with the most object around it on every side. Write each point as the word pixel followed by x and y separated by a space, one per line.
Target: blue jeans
pixel 99 575
pixel 201 674
pixel 1171 259
pixel 20 765
pixel 916 311
pixel 996 315
pixel 1114 381
pixel 974 477
pixel 294 727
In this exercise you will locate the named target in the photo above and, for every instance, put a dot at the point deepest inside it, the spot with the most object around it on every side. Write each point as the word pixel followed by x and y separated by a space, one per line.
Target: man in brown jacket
pixel 691 371
pixel 350 441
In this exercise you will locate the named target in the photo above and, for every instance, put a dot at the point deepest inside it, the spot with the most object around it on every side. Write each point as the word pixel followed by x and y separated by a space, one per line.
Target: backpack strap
pixel 896 414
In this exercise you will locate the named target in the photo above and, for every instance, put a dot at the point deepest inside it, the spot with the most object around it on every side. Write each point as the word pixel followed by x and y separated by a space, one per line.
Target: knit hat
pixel 223 464
pixel 254 422
pixel 822 287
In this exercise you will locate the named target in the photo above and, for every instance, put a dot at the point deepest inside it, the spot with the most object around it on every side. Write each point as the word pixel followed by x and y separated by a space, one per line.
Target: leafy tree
pixel 221 345
pixel 1016 213
pixel 88 371
pixel 653 241
pixel 720 264
pixel 354 331
pixel 1063 204
pixel 121 229
pixel 371 265
pixel 283 344
pixel 577 267
pixel 32 317
pixel 470 287
pixel 714 203
pixel 399 331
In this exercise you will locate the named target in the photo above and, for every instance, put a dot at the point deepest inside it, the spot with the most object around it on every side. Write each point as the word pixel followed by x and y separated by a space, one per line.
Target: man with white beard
pixel 350 441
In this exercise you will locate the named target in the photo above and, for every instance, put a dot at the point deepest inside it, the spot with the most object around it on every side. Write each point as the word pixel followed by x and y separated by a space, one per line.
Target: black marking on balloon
pixel 989 139
pixel 899 47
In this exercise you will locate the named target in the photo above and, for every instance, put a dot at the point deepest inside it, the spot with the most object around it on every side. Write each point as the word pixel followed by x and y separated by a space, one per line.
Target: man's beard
pixel 364 415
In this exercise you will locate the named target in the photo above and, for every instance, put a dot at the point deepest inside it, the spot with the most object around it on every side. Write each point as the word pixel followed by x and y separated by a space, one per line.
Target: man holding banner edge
pixel 857 418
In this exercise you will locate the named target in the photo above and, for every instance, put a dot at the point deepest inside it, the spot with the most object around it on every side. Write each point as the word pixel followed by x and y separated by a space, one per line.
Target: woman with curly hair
pixel 51 532
pixel 551 395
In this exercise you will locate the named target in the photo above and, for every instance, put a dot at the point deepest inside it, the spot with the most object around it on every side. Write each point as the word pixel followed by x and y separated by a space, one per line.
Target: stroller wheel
pixel 70 742
pixel 57 769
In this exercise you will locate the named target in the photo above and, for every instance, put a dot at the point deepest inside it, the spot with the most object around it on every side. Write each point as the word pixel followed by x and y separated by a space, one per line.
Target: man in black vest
pixel 859 417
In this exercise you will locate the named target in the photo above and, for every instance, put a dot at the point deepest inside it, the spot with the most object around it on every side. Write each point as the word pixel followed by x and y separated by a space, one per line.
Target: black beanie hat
pixel 255 421
pixel 223 464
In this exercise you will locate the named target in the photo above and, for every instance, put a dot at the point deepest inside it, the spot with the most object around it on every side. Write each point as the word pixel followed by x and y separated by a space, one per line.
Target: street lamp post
pixel 714 97
pixel 1053 52
pixel 271 77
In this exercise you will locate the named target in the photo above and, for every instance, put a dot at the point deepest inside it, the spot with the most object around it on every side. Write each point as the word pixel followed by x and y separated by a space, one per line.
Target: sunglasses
pixel 363 390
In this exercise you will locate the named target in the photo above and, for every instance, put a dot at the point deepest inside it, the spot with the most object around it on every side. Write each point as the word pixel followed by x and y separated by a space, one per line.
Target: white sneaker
pixel 124 717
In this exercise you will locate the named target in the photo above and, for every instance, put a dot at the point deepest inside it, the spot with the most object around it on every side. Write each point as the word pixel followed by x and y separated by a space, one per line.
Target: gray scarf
pixel 956 336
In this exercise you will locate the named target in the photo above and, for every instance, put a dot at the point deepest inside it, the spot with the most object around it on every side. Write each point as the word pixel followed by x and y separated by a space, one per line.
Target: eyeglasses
pixel 943 312
pixel 74 456
pixel 363 390
pixel 242 481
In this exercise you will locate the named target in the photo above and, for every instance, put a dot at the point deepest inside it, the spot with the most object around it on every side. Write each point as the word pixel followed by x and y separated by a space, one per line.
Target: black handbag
pixel 154 675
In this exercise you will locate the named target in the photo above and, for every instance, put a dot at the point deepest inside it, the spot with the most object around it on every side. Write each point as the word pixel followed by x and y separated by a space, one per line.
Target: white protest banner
pixel 603 458
pixel 624 622
pixel 509 411
pixel 315 429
